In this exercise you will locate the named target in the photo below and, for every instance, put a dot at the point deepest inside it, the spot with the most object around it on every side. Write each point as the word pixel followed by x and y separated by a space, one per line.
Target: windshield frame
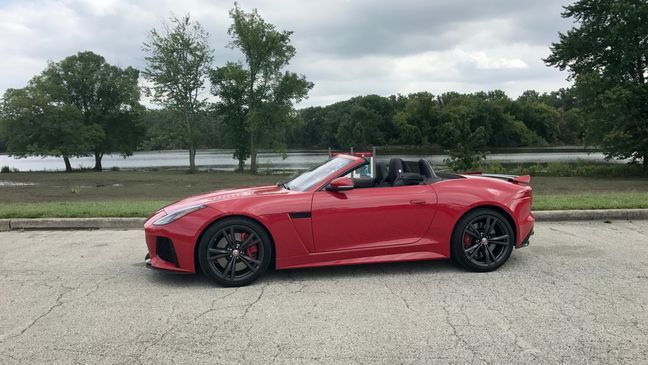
pixel 323 180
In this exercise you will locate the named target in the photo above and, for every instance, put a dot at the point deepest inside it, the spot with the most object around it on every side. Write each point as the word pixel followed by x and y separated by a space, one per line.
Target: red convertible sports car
pixel 344 211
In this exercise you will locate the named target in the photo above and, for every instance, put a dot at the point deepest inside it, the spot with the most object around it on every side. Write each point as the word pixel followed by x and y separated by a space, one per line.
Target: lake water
pixel 296 160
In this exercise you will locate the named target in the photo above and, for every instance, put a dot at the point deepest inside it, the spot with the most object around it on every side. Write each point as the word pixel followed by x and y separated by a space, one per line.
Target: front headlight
pixel 178 214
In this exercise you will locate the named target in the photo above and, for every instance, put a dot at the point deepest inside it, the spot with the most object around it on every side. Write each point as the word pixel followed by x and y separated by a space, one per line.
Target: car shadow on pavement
pixel 336 273
pixel 172 279
pixel 362 271
pixel 350 272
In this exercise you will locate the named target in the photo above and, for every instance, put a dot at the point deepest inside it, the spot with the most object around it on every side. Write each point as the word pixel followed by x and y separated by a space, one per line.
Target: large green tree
pixel 106 96
pixel 607 55
pixel 463 143
pixel 178 62
pixel 257 95
pixel 418 121
pixel 35 124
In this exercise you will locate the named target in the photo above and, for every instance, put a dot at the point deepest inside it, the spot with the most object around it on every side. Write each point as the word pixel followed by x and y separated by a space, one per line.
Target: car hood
pixel 226 194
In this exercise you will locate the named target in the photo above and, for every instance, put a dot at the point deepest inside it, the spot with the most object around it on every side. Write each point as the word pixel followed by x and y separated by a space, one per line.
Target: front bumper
pixel 172 246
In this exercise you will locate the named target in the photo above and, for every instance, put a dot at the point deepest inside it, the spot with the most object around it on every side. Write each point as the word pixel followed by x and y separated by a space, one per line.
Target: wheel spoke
pixel 498 238
pixel 474 249
pixel 500 243
pixel 489 253
pixel 247 263
pixel 254 261
pixel 218 250
pixel 233 273
pixel 232 236
pixel 470 230
pixel 488 225
pixel 496 223
pixel 486 255
pixel 249 241
pixel 227 267
pixel 230 241
pixel 217 253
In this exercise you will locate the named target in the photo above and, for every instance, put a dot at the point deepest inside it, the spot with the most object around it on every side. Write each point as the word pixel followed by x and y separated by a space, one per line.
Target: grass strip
pixel 598 200
pixel 80 209
pixel 88 209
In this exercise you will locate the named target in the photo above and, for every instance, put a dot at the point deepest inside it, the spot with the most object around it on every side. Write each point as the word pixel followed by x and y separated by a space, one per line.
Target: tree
pixel 231 83
pixel 463 144
pixel 607 55
pixel 106 96
pixel 542 119
pixel 256 96
pixel 34 124
pixel 418 121
pixel 178 62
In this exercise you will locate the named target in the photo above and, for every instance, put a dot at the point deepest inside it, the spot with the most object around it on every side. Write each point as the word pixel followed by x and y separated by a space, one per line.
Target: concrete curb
pixel 138 223
pixel 70 223
pixel 590 215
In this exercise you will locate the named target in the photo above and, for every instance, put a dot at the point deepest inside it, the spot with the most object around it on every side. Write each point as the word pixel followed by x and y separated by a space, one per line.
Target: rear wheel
pixel 482 240
pixel 234 252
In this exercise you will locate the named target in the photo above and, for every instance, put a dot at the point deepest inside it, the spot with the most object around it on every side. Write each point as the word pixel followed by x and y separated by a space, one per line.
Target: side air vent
pixel 165 250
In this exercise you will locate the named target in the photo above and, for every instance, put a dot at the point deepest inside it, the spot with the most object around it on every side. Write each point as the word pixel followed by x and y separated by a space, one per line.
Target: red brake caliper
pixel 466 240
pixel 252 249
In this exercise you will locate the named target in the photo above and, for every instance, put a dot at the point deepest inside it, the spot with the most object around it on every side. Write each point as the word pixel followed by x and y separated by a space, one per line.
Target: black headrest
pixel 425 168
pixel 381 171
pixel 395 169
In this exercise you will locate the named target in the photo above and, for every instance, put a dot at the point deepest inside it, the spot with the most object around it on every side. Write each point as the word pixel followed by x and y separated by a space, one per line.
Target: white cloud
pixel 346 48
pixel 485 62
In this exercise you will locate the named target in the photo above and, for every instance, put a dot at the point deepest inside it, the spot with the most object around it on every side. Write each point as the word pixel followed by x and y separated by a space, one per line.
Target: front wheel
pixel 234 252
pixel 482 240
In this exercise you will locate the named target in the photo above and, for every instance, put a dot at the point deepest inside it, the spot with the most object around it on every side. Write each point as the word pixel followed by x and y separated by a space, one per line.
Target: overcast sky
pixel 345 47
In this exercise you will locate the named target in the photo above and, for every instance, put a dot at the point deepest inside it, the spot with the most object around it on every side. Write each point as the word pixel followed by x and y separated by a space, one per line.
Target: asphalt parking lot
pixel 578 294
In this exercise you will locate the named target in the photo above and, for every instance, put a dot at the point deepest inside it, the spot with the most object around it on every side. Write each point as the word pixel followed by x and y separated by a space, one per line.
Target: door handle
pixel 417 202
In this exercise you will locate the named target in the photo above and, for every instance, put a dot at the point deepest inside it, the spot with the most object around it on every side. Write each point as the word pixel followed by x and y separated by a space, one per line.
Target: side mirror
pixel 340 184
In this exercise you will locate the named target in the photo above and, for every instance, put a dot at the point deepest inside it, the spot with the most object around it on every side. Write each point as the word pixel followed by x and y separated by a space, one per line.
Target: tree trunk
pixel 253 155
pixel 192 157
pixel 192 145
pixel 68 166
pixel 645 161
pixel 98 157
pixel 241 165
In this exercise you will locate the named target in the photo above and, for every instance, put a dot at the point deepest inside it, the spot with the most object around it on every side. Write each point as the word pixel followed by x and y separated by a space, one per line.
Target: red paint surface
pixel 370 225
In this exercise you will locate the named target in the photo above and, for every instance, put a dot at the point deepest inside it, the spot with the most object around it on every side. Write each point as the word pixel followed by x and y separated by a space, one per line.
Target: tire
pixel 234 252
pixel 477 250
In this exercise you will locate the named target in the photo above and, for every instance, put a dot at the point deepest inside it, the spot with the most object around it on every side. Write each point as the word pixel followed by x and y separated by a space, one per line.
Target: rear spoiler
pixel 522 179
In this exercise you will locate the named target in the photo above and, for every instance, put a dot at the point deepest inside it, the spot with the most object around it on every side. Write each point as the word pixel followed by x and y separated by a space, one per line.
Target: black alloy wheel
pixel 234 252
pixel 482 240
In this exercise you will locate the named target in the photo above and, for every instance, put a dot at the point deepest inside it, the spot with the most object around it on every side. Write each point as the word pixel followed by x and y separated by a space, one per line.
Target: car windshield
pixel 315 175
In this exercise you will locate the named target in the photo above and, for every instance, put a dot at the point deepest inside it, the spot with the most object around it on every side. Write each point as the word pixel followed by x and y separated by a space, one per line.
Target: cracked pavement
pixel 577 294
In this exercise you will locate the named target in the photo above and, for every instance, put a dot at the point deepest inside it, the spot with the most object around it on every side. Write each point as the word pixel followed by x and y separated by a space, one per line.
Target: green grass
pixel 81 209
pixel 119 185
pixel 622 200
pixel 138 193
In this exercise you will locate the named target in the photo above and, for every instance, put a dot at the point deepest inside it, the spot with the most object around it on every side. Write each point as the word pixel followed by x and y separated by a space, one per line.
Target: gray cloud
pixel 346 47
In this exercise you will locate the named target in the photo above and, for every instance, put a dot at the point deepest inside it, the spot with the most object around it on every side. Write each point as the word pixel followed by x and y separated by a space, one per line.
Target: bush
pixel 567 169
pixel 114 168
pixel 493 167
pixel 5 170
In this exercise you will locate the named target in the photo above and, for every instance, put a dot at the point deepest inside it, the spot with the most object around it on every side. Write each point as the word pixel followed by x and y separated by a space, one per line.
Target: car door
pixel 371 217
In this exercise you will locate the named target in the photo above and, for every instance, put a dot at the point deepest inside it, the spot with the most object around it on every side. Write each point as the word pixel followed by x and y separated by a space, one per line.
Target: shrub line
pixel 17 224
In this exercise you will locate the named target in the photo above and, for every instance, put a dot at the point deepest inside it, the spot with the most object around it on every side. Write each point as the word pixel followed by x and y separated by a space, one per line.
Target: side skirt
pixel 415 252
